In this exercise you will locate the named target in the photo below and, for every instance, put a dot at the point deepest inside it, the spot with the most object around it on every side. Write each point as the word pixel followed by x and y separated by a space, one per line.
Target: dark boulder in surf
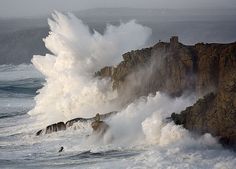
pixel 99 127
pixel 63 126
pixel 39 132
pixel 55 127
pixel 102 117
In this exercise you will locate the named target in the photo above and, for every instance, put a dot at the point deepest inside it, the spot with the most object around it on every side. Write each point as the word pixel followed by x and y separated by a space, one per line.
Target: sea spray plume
pixel 144 122
pixel 71 90
pixel 143 119
pixel 92 51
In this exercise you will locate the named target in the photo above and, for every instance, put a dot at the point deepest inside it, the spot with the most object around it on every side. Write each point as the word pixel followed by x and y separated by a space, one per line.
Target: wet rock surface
pixel 99 127
pixel 55 127
pixel 63 126
pixel 176 69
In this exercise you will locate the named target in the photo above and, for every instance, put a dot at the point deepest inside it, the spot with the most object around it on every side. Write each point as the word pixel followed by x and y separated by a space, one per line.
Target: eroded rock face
pixel 176 69
pixel 196 118
pixel 215 113
pixel 166 67
pixel 172 68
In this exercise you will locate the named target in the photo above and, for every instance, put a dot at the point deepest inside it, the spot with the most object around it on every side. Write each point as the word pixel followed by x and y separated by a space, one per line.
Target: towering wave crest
pixel 71 90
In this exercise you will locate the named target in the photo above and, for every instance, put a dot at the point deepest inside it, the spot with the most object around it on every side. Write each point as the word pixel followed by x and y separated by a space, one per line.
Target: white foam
pixel 71 89
pixel 144 120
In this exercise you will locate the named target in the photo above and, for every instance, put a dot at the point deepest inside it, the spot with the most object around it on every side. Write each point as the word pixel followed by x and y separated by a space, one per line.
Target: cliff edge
pixel 207 70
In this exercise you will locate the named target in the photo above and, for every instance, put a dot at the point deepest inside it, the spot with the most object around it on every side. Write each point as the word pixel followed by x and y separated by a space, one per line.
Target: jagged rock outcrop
pixel 166 67
pixel 55 127
pixel 99 127
pixel 102 117
pixel 196 118
pixel 174 68
pixel 218 115
pixel 52 128
pixel 63 126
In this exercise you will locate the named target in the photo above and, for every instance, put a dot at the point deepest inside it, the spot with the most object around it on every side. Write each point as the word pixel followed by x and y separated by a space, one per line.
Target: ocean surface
pixel 20 148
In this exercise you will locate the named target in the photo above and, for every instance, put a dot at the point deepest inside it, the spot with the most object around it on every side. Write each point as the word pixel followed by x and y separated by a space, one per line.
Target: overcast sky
pixel 21 8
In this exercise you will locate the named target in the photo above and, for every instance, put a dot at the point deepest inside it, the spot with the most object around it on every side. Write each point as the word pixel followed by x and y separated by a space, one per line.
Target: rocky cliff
pixel 178 69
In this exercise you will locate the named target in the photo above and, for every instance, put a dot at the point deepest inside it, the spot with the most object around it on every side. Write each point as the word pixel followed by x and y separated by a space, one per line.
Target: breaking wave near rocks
pixel 140 133
pixel 71 90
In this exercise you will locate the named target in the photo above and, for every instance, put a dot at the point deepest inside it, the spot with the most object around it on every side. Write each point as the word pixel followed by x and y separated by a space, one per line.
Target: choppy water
pixel 20 148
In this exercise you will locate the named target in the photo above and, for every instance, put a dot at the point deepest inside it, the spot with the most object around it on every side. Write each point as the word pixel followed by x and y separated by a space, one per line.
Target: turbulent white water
pixel 139 135
pixel 71 90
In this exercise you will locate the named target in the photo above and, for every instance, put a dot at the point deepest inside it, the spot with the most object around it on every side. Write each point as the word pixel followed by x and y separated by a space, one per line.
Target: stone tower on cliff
pixel 174 42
